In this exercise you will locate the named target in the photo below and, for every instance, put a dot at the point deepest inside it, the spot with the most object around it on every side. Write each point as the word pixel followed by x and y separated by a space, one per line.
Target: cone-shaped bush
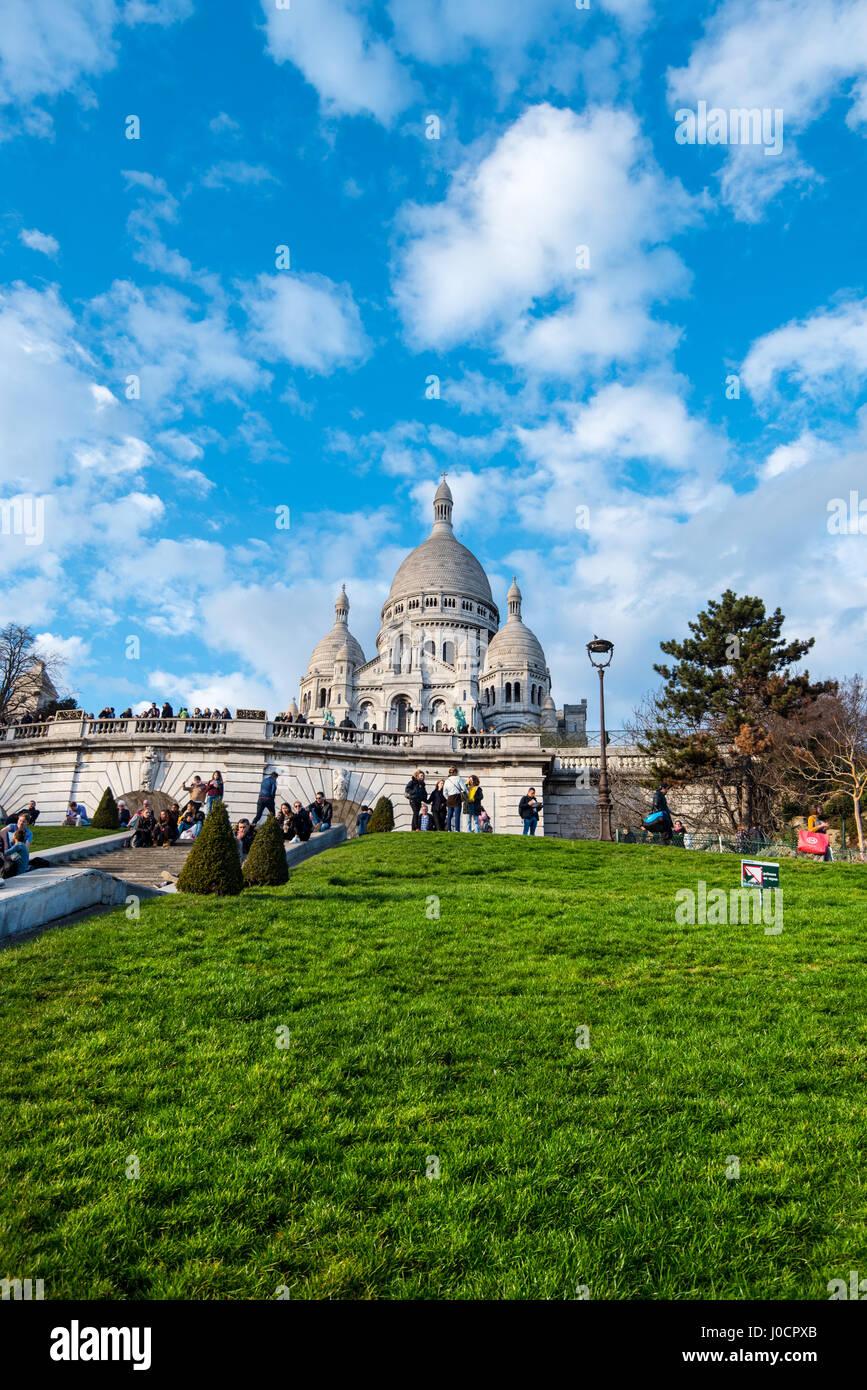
pixel 213 865
pixel 382 818
pixel 266 862
pixel 105 817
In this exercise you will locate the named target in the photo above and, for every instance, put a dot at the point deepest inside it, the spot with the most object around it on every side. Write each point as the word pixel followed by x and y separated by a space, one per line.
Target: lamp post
pixel 600 653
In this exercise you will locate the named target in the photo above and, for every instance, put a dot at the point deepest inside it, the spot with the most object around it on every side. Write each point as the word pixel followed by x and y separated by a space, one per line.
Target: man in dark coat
pixel 267 793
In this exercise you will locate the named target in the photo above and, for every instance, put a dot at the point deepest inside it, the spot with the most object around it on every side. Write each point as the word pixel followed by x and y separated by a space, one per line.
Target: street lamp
pixel 600 653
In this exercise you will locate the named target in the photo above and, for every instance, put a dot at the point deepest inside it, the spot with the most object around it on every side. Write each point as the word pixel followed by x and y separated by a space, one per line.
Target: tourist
pixel 191 822
pixel 362 819
pixel 286 822
pixel 474 803
pixel 303 822
pixel 142 825
pixel 415 792
pixel 123 814
pixel 183 712
pixel 127 713
pixel 321 812
pixel 30 812
pixel 165 831
pixel 485 826
pixel 166 712
pixel 267 793
pixel 197 790
pixel 529 809
pixel 76 814
pixel 425 820
pixel 16 860
pixel 438 806
pixel 660 805
pixel 8 833
pixel 244 837
pixel 175 813
pixel 454 789
pixel 224 714
pixel 213 791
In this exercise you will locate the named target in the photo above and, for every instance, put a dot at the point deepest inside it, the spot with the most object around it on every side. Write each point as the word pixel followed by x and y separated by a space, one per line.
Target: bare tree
pixel 19 661
pixel 835 758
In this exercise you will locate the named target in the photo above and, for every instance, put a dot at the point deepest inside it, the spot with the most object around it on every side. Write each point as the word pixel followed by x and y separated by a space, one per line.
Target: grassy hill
pixel 409 1037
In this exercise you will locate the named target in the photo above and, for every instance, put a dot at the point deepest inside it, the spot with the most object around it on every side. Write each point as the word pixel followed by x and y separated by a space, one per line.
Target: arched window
pixel 366 716
pixel 449 653
pixel 508 692
pixel 322 699
pixel 338 699
pixel 430 648
pixel 517 692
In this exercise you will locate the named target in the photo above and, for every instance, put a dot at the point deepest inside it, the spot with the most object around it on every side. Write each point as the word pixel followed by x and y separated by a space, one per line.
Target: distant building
pixel 31 693
pixel 442 656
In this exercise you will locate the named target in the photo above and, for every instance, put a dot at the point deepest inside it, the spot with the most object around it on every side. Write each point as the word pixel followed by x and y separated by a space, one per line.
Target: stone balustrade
pixel 102 730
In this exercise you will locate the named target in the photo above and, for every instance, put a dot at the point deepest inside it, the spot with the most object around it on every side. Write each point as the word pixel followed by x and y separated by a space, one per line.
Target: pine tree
pixel 105 817
pixel 382 818
pixel 265 865
pixel 213 865
pixel 724 702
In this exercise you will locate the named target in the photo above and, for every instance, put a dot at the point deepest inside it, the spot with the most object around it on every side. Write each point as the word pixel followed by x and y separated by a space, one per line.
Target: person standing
pixel 454 789
pixel 362 818
pixel 661 804
pixel 267 793
pixel 438 806
pixel 197 790
pixel 213 791
pixel 416 794
pixel 474 803
pixel 529 809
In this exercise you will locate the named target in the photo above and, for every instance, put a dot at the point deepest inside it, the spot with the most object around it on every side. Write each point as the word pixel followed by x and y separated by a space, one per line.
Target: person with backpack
pixel 659 821
pixel 416 794
pixel 529 809
pixel 454 790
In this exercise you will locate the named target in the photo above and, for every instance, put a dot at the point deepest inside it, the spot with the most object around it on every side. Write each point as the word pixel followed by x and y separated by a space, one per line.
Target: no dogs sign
pixel 757 873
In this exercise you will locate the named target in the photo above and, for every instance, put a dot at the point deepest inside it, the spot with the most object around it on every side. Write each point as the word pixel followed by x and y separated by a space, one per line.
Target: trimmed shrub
pixel 382 818
pixel 105 817
pixel 266 865
pixel 213 865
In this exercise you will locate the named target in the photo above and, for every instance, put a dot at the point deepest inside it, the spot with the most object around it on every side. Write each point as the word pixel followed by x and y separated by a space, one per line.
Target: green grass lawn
pixel 411 1035
pixel 50 836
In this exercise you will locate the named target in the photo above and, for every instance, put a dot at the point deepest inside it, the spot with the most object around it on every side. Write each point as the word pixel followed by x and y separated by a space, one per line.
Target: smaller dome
pixel 443 492
pixel 293 707
pixel 548 702
pixel 514 591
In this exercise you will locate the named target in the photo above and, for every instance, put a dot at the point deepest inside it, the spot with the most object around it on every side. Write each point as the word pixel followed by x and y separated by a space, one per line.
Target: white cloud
pixel 223 124
pixel 229 172
pixel 304 319
pixel 823 355
pixel 47 48
pixel 792 55
pixel 332 45
pixel 39 241
pixel 489 259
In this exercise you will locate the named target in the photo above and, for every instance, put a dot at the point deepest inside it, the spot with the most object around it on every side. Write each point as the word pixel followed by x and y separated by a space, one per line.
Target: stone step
pixel 144 866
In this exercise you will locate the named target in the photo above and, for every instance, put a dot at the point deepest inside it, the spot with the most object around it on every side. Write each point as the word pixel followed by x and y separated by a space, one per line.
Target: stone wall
pixel 76 759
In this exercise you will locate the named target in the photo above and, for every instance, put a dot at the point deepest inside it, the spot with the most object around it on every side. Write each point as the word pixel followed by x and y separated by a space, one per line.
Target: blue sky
pixel 601 386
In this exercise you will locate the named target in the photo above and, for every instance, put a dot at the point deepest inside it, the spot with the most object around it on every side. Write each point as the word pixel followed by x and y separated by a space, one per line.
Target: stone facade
pixel 77 758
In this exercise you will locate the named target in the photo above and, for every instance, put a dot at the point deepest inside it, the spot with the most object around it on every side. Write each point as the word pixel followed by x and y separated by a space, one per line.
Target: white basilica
pixel 442 658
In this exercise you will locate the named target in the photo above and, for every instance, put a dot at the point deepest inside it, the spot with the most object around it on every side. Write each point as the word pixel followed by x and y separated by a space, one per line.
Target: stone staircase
pixel 144 866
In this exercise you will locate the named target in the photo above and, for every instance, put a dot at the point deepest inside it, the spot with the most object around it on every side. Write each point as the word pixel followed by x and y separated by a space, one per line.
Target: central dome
pixel 441 562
